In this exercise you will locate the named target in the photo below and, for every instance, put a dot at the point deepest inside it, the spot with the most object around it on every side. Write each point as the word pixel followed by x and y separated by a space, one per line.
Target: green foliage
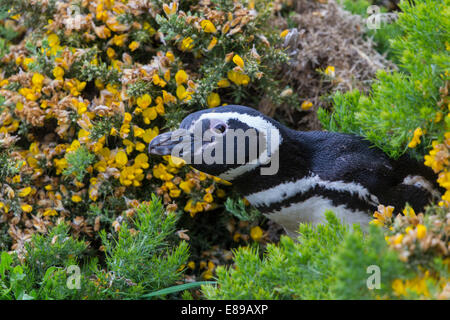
pixel 328 261
pixel 7 166
pixel 402 101
pixel 238 209
pixel 43 271
pixel 343 117
pixel 352 264
pixel 77 162
pixel 55 249
pixel 290 270
pixel 381 36
pixel 36 13
pixel 356 6
pixel 141 258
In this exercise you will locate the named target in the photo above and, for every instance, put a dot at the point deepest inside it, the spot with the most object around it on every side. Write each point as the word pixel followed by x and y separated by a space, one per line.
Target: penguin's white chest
pixel 312 211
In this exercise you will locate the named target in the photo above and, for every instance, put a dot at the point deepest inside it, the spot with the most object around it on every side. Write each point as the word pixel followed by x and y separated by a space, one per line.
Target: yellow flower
pixel 37 80
pixel 397 239
pixel 224 83
pixel 150 134
pixel 75 86
pixel 144 101
pixel 191 265
pixel 170 56
pixel 169 10
pixel 110 52
pixel 28 93
pixel 149 115
pixel 127 117
pixel 383 215
pixel 256 233
pixel 238 78
pixel 50 212
pixel 167 75
pixel 330 71
pixel 129 145
pixel 208 274
pixel 140 146
pixel 160 172
pixel 58 73
pixel 19 106
pixel 121 158
pixel 138 132
pixel 26 208
pixel 181 77
pixel 306 105
pixel 416 138
pixel 187 44
pixel 398 287
pixel 25 192
pixel 174 193
pixel 73 146
pixel 409 212
pixel 60 165
pixel 102 32
pixel 208 26
pixel 213 100
pixel 142 161
pixel 212 44
pixel 438 117
pixel 186 186
pixel 208 198
pixel 238 61
pixel 133 45
pixel 76 198
pixel 421 231
pixel 119 40
pixel 181 92
pixel 53 40
pixel 158 81
pixel 284 33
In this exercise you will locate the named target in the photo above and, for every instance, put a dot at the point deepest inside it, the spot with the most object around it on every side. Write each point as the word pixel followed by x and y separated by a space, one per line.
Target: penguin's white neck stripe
pixel 260 124
pixel 286 190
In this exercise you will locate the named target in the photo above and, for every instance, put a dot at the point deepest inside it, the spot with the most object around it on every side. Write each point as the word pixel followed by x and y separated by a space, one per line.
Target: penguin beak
pixel 164 143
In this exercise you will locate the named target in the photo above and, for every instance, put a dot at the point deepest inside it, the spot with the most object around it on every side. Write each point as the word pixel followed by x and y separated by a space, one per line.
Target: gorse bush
pixel 141 258
pixel 330 261
pixel 407 112
pixel 401 102
pixel 289 270
pixel 89 84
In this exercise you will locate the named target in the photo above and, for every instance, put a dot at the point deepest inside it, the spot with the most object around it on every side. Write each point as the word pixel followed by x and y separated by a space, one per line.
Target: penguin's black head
pixel 226 141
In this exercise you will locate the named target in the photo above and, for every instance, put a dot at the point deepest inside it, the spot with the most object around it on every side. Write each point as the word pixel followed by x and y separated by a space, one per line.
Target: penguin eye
pixel 220 128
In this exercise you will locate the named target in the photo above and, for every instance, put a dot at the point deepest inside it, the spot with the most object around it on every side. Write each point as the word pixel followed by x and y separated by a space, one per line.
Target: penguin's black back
pixel 350 158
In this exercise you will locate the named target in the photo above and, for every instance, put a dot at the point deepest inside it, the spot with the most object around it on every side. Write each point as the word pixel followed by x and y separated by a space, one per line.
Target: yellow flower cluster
pixel 110 83
pixel 419 286
pixel 416 138
pixel 438 160
pixel 415 237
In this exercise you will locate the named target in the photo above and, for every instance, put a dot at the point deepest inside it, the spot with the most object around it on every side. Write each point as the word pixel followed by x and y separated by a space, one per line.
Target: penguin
pixel 294 177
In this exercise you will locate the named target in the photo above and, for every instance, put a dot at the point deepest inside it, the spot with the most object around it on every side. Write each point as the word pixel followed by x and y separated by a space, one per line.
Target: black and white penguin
pixel 316 171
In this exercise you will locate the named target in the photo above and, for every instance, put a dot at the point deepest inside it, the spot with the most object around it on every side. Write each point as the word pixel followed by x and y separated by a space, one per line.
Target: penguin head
pixel 226 141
